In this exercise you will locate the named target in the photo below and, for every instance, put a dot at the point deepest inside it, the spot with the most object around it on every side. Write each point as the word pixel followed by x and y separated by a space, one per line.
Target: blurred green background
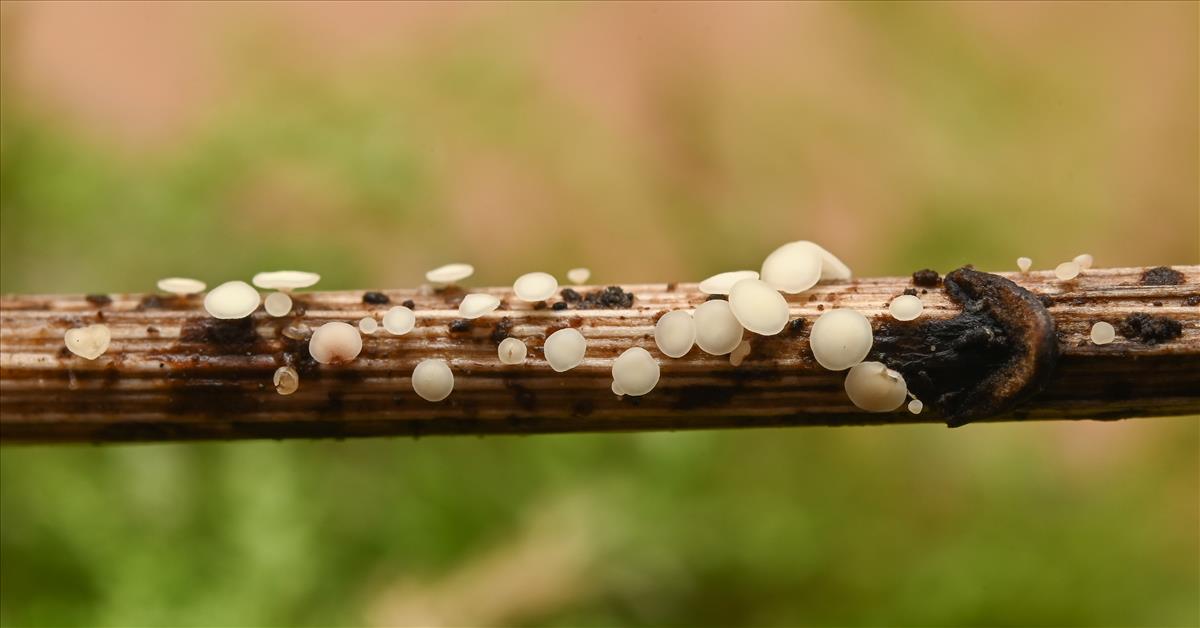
pixel 370 142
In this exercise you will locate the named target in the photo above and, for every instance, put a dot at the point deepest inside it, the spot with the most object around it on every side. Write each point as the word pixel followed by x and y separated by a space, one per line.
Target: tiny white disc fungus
pixel 232 300
pixel 717 330
pixel 286 380
pixel 635 372
pixel 449 273
pixel 616 388
pixel 277 304
pixel 1067 271
pixel 335 343
pixel 1024 263
pixel 758 307
pixel 720 283
pixel 841 338
pixel 399 320
pixel 181 286
pixel 915 406
pixel 831 266
pixel 88 342
pixel 433 380
pixel 675 333
pixel 534 287
pixel 477 304
pixel 512 351
pixel 285 280
pixel 564 349
pixel 793 267
pixel 739 353
pixel 368 325
pixel 1103 333
pixel 579 275
pixel 875 388
pixel 906 307
pixel 1084 260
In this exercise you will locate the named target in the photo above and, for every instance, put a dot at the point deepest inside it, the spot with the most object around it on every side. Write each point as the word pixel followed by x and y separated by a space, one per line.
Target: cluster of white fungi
pixel 740 301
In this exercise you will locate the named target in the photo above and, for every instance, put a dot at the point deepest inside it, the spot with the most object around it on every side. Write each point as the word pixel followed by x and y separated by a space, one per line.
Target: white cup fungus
pixel 579 275
pixel 906 307
pixel 181 286
pixel 433 380
pixel 286 380
pixel 675 333
pixel 277 304
pixel 841 338
pixel 875 388
pixel 564 349
pixel 793 267
pixel 718 331
pixel 335 343
pixel 285 280
pixel 88 342
pixel 1103 333
pixel 1067 271
pixel 512 351
pixel 399 320
pixel 915 406
pixel 368 325
pixel 635 372
pixel 534 287
pixel 758 307
pixel 449 273
pixel 720 283
pixel 232 300
pixel 477 304
pixel 1084 260
pixel 1024 264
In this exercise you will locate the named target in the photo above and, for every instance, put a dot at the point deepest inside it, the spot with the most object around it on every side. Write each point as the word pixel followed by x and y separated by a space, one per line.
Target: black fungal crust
pixel 1000 350
pixel 1150 329
pixel 926 278
pixel 460 325
pixel 502 329
pixel 375 298
pixel 1162 276
pixel 610 298
pixel 99 300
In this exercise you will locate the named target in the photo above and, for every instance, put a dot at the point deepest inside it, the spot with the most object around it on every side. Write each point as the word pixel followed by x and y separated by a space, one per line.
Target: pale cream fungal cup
pixel 277 304
pixel 841 338
pixel 635 372
pixel 906 307
pixel 564 349
pixel 181 286
pixel 432 379
pixel 1067 271
pixel 534 287
pixel 798 266
pixel 335 343
pixel 232 300
pixel 718 331
pixel 368 325
pixel 477 304
pixel 1102 333
pixel 1084 261
pixel 512 351
pixel 285 280
pixel 721 283
pixel 579 276
pixel 399 320
pixel 88 342
pixel 675 333
pixel 1024 264
pixel 758 307
pixel 286 380
pixel 450 273
pixel 875 388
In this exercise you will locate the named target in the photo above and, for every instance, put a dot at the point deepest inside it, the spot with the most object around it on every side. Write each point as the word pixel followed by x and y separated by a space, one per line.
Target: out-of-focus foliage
pixel 649 142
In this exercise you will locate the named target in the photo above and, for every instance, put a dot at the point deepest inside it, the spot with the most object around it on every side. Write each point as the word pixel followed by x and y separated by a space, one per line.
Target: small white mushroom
pixel 906 307
pixel 579 275
pixel 635 372
pixel 285 280
pixel 477 304
pixel 739 353
pixel 181 286
pixel 534 287
pixel 718 331
pixel 368 325
pixel 88 342
pixel 1067 271
pixel 449 273
pixel 512 351
pixel 758 307
pixel 793 267
pixel 277 304
pixel 841 338
pixel 1084 260
pixel 675 333
pixel 915 406
pixel 564 349
pixel 875 388
pixel 720 283
pixel 1024 263
pixel 399 320
pixel 335 343
pixel 232 300
pixel 286 380
pixel 1103 333
pixel 433 380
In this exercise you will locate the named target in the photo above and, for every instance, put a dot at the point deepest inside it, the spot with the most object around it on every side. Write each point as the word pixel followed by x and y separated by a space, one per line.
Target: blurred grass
pixel 901 136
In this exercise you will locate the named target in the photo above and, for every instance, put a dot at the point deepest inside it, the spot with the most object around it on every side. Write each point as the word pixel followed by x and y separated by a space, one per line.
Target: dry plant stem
pixel 171 373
